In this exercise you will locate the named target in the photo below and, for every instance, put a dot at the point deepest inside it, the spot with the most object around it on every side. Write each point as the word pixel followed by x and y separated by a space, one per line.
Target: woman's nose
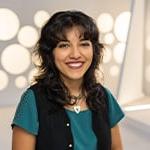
pixel 75 52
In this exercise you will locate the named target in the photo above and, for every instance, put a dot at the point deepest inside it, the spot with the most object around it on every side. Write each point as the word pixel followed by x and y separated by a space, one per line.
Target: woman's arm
pixel 22 140
pixel 116 138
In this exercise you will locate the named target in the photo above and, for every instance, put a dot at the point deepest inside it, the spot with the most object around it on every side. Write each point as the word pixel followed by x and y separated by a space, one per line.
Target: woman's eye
pixel 85 44
pixel 63 45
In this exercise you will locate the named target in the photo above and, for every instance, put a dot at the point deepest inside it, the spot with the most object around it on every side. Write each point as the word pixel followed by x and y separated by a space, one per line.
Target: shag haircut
pixel 48 78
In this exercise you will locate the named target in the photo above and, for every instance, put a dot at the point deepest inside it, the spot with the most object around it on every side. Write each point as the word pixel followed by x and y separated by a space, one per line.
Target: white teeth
pixel 75 64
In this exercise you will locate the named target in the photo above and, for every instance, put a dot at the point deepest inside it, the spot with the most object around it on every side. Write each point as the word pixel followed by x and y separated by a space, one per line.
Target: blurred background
pixel 123 26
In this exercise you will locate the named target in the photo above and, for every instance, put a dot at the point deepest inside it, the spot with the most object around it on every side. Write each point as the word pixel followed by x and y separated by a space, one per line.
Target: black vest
pixel 54 126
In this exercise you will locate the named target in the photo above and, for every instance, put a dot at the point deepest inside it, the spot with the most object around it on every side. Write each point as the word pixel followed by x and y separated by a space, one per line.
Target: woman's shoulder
pixel 28 93
pixel 108 91
pixel 27 98
pixel 114 109
pixel 26 113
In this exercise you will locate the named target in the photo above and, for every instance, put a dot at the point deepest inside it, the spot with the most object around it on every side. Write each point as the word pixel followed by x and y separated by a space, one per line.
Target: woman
pixel 67 108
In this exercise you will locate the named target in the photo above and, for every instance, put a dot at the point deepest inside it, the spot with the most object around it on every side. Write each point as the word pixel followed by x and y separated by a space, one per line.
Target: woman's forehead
pixel 77 31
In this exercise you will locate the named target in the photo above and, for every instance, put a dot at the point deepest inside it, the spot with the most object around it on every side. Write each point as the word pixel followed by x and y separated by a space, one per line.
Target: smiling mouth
pixel 75 65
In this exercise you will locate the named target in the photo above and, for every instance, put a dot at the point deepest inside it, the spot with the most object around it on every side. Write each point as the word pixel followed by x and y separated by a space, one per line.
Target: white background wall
pixel 131 87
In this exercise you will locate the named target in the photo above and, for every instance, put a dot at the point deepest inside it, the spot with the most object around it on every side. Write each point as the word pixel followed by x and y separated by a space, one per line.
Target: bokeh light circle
pixel 20 82
pixel 114 70
pixel 122 26
pixel 105 22
pixel 118 52
pixel 40 18
pixel 107 55
pixel 147 73
pixel 9 24
pixel 3 80
pixel 109 38
pixel 99 73
pixel 28 36
pixel 15 59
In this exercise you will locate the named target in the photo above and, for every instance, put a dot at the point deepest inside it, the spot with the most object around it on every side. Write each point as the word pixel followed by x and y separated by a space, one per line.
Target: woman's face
pixel 73 56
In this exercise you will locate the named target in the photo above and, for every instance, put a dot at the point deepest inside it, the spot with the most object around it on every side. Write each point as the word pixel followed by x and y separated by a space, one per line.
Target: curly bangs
pixel 55 31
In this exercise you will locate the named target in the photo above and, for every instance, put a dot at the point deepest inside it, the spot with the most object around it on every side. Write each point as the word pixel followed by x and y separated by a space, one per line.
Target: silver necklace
pixel 77 107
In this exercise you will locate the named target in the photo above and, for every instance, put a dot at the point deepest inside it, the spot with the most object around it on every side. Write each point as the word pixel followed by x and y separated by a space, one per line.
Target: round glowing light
pixel 21 82
pixel 99 74
pixel 109 38
pixel 118 52
pixel 122 26
pixel 114 70
pixel 9 24
pixel 15 59
pixel 107 55
pixel 28 36
pixel 31 75
pixel 3 80
pixel 40 18
pixel 105 22
pixel 148 43
pixel 147 73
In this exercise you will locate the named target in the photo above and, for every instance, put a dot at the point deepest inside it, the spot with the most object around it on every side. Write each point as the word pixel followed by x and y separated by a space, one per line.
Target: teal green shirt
pixel 81 127
pixel 26 117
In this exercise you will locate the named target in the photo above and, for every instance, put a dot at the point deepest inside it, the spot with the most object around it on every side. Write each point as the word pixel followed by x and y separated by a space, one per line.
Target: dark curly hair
pixel 49 79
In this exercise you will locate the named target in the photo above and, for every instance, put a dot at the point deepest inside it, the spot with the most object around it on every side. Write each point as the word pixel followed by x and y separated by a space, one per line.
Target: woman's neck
pixel 74 86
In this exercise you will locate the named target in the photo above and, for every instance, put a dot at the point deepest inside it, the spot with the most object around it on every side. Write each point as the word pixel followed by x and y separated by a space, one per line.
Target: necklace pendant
pixel 76 109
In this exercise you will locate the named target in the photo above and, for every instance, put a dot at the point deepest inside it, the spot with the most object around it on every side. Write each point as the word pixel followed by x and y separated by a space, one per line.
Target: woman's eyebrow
pixel 84 39
pixel 64 40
